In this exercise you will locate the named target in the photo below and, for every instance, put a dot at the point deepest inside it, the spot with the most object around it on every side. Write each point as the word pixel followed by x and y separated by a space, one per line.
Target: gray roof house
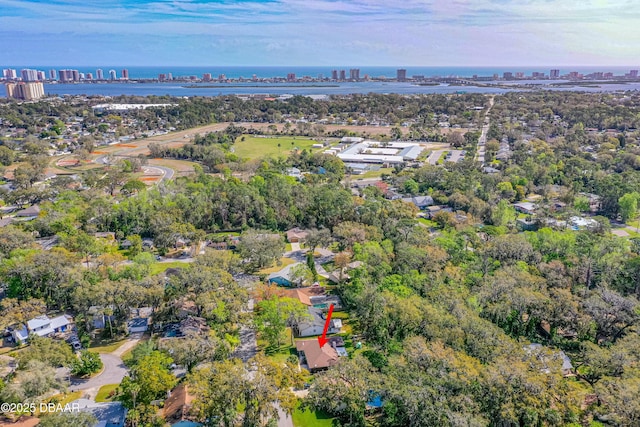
pixel 420 202
pixel 42 326
pixel 314 324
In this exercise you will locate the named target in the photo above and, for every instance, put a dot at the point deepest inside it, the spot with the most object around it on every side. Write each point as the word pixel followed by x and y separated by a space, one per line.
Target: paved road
pixel 435 156
pixel 483 135
pixel 167 173
pixel 113 373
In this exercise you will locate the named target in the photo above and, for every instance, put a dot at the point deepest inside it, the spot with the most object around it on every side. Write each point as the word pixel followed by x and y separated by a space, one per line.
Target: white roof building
pixel 42 326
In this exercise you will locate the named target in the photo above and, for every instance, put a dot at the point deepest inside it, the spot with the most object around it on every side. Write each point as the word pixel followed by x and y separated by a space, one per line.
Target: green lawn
pixel 104 392
pixel 277 267
pixel 105 346
pixel 311 419
pixel 428 222
pixel 376 174
pixel 254 147
pixel 159 267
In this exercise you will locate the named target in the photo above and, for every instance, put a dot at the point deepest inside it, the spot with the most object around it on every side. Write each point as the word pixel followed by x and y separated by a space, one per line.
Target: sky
pixel 320 32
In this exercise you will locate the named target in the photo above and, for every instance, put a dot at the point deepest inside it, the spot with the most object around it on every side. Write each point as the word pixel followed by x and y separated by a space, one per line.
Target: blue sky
pixel 320 32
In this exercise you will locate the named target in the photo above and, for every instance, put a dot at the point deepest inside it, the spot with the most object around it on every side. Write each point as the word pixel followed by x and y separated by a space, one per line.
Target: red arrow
pixel 322 340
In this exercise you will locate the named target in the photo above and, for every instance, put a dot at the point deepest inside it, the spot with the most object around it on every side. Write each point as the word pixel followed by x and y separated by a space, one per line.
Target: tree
pixel 259 387
pixel 275 314
pixel 317 238
pixel 503 213
pixel 260 249
pixel 194 348
pixel 133 186
pixel 629 206
pixel 358 385
pixel 86 364
pixel 455 139
pixel 148 380
pixel 45 350
pixel 83 244
pixel 13 311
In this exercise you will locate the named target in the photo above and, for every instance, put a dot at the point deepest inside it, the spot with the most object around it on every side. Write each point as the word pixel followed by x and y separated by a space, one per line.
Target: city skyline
pixel 320 32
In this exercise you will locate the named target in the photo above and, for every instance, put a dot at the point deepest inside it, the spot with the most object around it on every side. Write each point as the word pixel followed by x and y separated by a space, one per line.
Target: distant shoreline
pixel 222 86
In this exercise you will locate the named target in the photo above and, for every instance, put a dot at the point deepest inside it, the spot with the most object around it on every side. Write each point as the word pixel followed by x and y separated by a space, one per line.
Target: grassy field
pixel 65 398
pixel 106 346
pixel 159 267
pixel 376 174
pixel 278 266
pixel 104 392
pixel 254 147
pixel 308 418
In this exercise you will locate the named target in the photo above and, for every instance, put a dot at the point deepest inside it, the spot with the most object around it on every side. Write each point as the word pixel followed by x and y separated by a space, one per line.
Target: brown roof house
pixel 23 421
pixel 178 404
pixel 314 358
pixel 295 235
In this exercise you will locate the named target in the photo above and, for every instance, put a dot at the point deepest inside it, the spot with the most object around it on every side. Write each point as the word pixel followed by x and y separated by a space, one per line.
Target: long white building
pixel 365 151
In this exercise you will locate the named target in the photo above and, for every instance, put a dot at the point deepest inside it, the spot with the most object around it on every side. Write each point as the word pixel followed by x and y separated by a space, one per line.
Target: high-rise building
pixel 89 76
pixel 633 74
pixel 221 77
pixel 401 75
pixel 52 74
pixel 75 75
pixel 29 75
pixel 99 74
pixel 65 75
pixel 343 75
pixel 334 74
pixel 162 77
pixel 42 76
pixel 206 77
pixel 554 74
pixel 10 74
pixel 27 91
pixel 169 76
pixel 125 74
pixel 507 75
pixel 81 76
pixel 519 75
pixel 354 74
pixel 112 75
pixel 291 77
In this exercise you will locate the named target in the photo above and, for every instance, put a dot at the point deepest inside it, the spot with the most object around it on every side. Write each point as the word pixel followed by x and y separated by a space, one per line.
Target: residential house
pixel 284 277
pixel 30 212
pixel 337 276
pixel 314 296
pixel 525 207
pixel 99 319
pixel 547 356
pixel 432 210
pixel 295 235
pixel 23 421
pixel 314 324
pixel 42 326
pixel 294 173
pixel 316 358
pixel 108 414
pixel 421 202
pixel 139 320
pixel 177 407
pixel 137 325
